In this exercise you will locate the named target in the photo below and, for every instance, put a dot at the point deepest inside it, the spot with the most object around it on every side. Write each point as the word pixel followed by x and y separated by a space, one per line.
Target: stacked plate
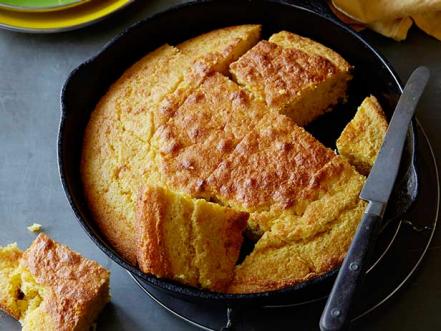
pixel 46 16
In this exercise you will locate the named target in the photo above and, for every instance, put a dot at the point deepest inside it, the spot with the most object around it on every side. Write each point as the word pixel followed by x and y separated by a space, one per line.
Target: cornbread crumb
pixel 190 240
pixel 49 287
pixel 361 140
pixel 35 227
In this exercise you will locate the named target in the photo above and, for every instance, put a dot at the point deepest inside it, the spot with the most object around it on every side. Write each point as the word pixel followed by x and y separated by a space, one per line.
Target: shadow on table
pixel 113 318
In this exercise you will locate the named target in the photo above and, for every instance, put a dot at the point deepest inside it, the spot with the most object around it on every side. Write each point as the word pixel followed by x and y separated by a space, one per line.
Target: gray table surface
pixel 33 69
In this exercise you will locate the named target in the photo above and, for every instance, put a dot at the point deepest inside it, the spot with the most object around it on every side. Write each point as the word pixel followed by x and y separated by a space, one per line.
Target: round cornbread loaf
pixel 203 120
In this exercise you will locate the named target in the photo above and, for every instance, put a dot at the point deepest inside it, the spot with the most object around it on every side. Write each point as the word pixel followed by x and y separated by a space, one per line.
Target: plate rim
pixel 15 28
pixel 37 9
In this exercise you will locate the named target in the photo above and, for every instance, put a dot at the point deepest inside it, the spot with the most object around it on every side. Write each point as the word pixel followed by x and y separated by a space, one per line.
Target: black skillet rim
pixel 164 284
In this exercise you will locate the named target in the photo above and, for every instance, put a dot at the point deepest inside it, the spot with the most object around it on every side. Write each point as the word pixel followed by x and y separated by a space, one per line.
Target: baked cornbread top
pixel 202 132
pixel 220 47
pixel 277 74
pixel 291 40
pixel 272 167
pixel 296 249
pixel 224 144
pixel 72 282
pixel 293 75
pixel 50 287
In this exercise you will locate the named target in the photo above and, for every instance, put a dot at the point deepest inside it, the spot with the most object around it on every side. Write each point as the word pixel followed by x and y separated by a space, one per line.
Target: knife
pixel 376 191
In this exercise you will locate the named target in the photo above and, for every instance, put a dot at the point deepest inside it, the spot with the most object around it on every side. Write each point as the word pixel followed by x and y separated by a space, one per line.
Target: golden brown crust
pixel 278 75
pixel 270 169
pixel 293 75
pixel 361 139
pixel 220 47
pixel 314 243
pixel 150 212
pixel 50 287
pixel 291 40
pixel 202 131
pixel 77 288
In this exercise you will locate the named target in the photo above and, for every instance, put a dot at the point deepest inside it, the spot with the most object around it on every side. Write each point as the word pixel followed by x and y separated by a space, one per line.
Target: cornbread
pixel 202 132
pixel 9 259
pixel 49 287
pixel 223 46
pixel 293 75
pixel 193 241
pixel 314 243
pixel 117 138
pixel 198 141
pixel 270 172
pixel 361 139
pixel 34 227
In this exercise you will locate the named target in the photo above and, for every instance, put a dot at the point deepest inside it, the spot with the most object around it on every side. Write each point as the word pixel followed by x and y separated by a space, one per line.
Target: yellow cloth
pixel 392 18
pixel 396 29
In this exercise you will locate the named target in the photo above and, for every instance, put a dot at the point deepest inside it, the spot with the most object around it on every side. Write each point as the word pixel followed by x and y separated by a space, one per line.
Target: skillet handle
pixel 336 314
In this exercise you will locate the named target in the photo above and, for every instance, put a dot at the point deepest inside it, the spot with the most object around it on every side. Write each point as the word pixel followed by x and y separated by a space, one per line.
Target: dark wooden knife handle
pixel 337 311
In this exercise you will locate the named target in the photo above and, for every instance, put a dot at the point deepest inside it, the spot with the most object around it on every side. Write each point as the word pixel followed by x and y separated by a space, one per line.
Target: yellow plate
pixel 69 19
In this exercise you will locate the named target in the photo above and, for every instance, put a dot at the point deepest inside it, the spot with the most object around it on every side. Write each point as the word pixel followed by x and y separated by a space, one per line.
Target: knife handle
pixel 335 316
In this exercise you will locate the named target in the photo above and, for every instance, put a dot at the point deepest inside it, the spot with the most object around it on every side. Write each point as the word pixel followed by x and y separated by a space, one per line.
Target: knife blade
pixel 379 184
pixel 376 191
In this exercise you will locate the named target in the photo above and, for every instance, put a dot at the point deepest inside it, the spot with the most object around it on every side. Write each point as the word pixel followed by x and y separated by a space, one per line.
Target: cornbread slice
pixel 202 132
pixel 294 75
pixel 9 259
pixel 191 241
pixel 270 172
pixel 223 46
pixel 50 287
pixel 361 139
pixel 116 146
pixel 210 52
pixel 316 242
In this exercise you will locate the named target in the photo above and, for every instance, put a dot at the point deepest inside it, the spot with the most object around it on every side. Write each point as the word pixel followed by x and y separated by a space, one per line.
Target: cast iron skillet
pixel 87 83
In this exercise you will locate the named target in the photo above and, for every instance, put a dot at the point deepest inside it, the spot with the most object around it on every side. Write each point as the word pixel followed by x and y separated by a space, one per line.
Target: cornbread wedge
pixel 192 241
pixel 271 172
pixel 294 75
pixel 223 46
pixel 202 132
pixel 49 287
pixel 316 242
pixel 115 157
pixel 361 139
